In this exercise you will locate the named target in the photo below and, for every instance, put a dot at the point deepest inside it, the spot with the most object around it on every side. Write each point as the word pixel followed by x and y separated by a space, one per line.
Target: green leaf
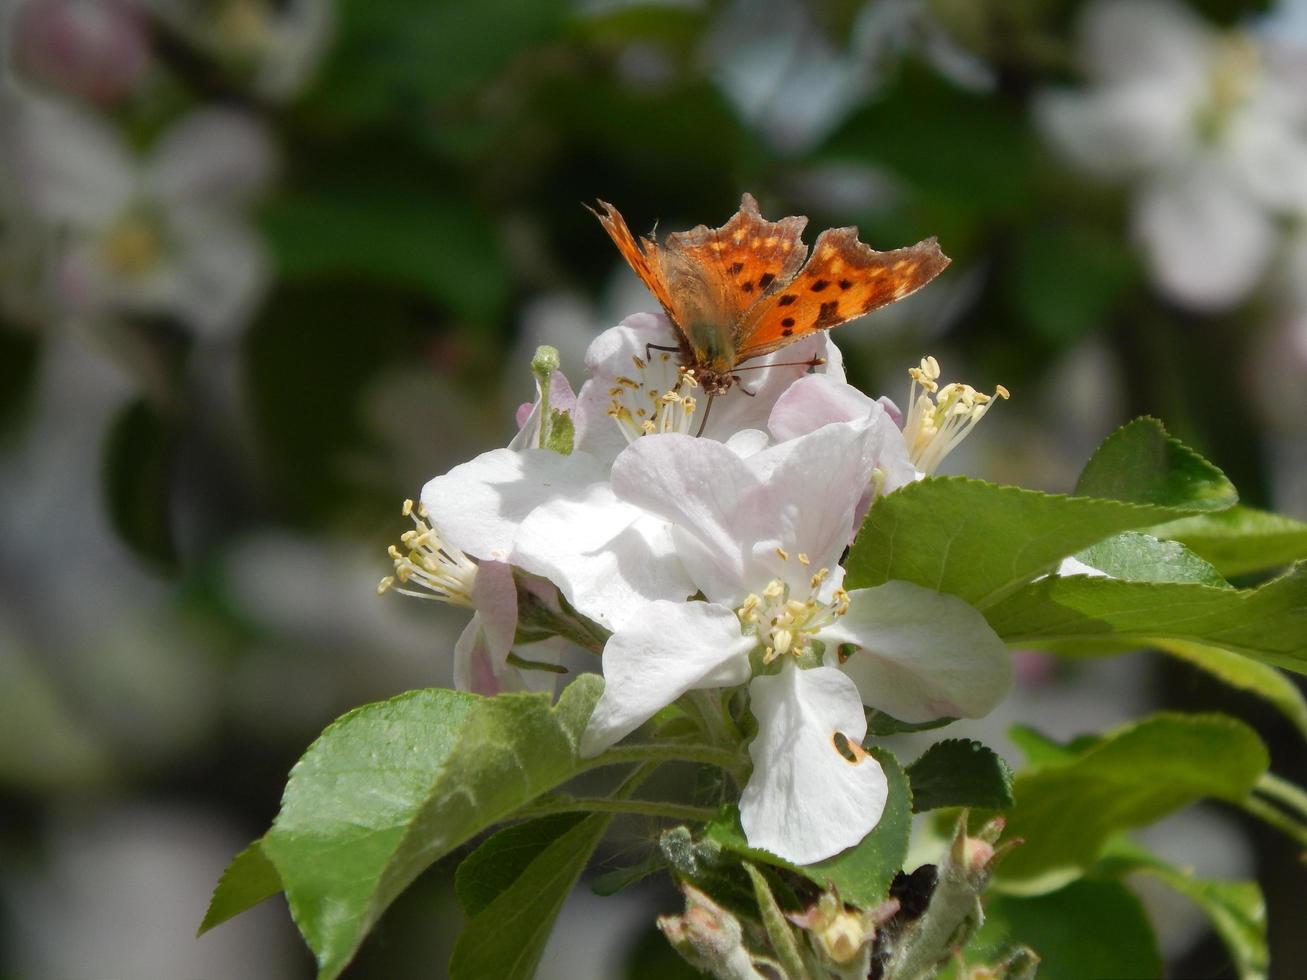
pixel 392 787
pixel 779 931
pixel 396 230
pixel 1236 909
pixel 1137 557
pixel 1081 614
pixel 1240 540
pixel 1066 812
pixel 862 873
pixel 980 541
pixel 248 880
pixel 960 772
pixel 1090 930
pixel 1244 674
pixel 1140 463
pixel 507 936
pixel 138 461
pixel 879 724
pixel 503 856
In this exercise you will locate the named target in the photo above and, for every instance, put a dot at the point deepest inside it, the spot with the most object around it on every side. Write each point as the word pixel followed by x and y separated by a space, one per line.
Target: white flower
pixel 428 567
pixel 1208 128
pixel 162 235
pixel 98 50
pixel 761 537
pixel 636 387
pixel 275 43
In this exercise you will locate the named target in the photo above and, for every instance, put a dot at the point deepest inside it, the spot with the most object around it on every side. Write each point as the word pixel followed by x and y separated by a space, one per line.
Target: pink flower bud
pixel 97 50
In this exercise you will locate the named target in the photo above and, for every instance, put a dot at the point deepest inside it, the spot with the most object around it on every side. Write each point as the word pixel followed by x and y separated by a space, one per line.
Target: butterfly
pixel 744 290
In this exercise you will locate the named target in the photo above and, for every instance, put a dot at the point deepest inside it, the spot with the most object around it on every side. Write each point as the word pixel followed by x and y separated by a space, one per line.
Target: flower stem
pixel 649 808
pixel 669 751
pixel 1282 791
pixel 1276 818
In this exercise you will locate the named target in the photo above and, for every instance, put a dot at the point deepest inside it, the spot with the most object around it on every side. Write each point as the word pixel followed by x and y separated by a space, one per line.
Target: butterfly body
pixel 749 288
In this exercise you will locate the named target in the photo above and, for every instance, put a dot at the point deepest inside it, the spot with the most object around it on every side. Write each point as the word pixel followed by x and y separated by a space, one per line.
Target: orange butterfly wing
pixel 735 265
pixel 642 256
pixel 843 279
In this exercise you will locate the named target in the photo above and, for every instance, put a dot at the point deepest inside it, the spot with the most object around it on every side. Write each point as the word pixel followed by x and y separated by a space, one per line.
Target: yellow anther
pixel 782 554
pixel 804 559
pixel 408 508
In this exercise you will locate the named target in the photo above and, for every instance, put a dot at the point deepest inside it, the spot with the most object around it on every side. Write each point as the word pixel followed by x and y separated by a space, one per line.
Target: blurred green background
pixel 198 479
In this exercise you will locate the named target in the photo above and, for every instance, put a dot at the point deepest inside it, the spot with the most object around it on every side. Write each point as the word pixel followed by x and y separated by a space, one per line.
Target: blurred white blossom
pixel 275 44
pixel 1209 128
pixel 96 50
pixel 161 234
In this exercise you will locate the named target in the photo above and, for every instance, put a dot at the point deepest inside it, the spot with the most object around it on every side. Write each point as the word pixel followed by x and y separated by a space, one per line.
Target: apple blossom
pixel 761 538
pixel 1206 126
pixel 161 235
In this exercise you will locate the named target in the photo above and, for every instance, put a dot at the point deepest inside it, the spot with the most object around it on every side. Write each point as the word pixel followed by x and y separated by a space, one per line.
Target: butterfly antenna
pixel 810 362
pixel 703 422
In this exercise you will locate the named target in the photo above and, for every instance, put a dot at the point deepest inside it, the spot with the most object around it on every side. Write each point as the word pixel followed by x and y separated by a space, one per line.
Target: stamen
pixel 654 399
pixel 784 623
pixel 940 417
pixel 440 569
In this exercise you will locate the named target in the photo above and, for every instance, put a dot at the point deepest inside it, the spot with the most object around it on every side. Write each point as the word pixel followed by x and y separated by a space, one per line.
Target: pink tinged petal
pixel 698 485
pixel 218 274
pixel 479 504
pixel 805 495
pixel 672 648
pixel 1207 242
pixel 923 654
pixel 818 400
pixel 561 399
pixel 96 51
pixel 762 381
pixel 474 664
pixel 805 801
pixel 608 557
pixel 212 157
pixel 494 594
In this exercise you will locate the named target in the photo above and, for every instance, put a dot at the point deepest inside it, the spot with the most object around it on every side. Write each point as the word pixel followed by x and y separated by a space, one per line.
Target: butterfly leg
pixel 650 348
pixel 703 422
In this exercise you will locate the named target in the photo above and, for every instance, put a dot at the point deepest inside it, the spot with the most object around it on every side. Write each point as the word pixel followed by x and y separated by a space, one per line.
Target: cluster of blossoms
pixel 1208 127
pixel 702 553
pixel 90 228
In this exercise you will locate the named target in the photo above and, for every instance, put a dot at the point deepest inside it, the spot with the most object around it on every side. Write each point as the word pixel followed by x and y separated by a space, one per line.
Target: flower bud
pixel 98 51
pixel 709 938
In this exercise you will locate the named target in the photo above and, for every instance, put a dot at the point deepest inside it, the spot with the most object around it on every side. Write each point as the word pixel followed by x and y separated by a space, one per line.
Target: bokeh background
pixel 268 265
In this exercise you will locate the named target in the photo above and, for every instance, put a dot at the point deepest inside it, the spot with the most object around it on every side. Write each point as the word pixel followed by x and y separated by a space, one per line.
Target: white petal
pixel 672 648
pixel 1206 240
pixel 818 400
pixel 612 355
pixel 805 801
pixel 1074 566
pixel 698 485
pixel 218 272
pixel 608 557
pixel 924 655
pixel 67 166
pixel 1127 40
pixel 1119 131
pixel 213 156
pixel 479 504
pixel 805 495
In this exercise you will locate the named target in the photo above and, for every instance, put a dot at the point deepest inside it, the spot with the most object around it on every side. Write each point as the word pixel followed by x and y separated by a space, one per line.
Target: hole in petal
pixel 849 750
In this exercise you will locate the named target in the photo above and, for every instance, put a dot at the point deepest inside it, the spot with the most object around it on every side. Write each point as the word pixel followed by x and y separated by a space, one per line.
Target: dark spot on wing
pixel 786 300
pixel 747 287
pixel 845 284
pixel 736 268
pixel 820 284
pixel 765 280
